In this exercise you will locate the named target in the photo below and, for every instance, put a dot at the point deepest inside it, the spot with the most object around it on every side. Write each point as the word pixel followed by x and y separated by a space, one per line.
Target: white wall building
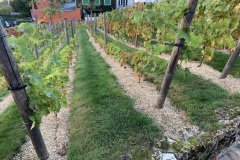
pixel 126 3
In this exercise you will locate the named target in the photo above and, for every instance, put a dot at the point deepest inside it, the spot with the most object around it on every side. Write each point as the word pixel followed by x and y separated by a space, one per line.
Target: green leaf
pixel 12 41
pixel 185 35
pixel 49 93
pixel 186 73
pixel 36 118
pixel 36 77
pixel 195 40
pixel 151 17
pixel 159 23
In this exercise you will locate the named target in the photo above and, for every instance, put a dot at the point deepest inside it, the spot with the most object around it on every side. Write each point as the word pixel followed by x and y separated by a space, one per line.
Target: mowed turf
pixel 219 61
pixel 103 122
pixel 12 132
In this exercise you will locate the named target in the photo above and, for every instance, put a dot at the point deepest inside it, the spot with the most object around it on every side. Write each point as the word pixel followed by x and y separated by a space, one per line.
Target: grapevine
pixel 46 77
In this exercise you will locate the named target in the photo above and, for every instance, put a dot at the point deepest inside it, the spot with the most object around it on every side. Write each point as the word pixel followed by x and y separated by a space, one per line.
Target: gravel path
pixel 231 84
pixel 172 120
pixel 55 132
pixel 6 102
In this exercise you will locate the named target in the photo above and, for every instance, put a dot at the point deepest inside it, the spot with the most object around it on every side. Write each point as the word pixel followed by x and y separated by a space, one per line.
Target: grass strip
pixel 219 61
pixel 199 98
pixel 3 93
pixel 103 123
pixel 12 132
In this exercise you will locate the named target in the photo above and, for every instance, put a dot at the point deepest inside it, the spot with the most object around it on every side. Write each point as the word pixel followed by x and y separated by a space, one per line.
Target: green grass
pixel 103 124
pixel 199 98
pixel 12 132
pixel 220 60
pixel 3 93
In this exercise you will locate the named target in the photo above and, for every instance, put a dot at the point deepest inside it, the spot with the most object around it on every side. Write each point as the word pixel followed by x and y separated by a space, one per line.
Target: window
pixel 107 2
pixel 85 1
pixel 97 2
pixel 123 3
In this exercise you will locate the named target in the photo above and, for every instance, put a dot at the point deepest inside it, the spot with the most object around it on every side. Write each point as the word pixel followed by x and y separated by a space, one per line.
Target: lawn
pixel 103 123
pixel 219 61
pixel 12 132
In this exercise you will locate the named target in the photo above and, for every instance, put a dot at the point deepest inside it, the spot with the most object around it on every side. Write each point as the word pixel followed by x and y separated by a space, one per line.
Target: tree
pixel 89 7
pixel 5 10
pixel 51 9
pixel 23 7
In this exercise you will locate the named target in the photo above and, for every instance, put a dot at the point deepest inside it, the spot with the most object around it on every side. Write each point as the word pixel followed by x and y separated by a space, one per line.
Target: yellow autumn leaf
pixel 208 58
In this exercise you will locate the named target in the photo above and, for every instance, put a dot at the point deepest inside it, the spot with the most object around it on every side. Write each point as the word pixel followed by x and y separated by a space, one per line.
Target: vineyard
pixel 149 81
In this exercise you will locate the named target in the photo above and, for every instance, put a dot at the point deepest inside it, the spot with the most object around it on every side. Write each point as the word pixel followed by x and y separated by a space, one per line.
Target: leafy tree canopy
pixel 23 7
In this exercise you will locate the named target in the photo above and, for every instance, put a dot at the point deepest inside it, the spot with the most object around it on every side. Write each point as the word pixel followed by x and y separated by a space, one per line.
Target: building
pixel 126 3
pixel 69 11
pixel 100 5
pixel 5 2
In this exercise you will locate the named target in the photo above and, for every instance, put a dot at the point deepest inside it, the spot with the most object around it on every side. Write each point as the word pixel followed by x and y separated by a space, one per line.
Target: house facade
pixel 126 3
pixel 69 11
pixel 100 5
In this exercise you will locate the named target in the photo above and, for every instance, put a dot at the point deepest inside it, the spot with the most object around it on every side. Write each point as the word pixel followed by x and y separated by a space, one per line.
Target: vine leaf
pixel 159 23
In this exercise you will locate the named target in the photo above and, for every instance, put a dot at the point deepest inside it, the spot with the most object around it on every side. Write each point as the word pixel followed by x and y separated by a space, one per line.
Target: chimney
pixel 33 6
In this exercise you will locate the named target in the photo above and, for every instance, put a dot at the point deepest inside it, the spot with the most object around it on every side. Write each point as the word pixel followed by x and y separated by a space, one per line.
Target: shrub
pixel 5 10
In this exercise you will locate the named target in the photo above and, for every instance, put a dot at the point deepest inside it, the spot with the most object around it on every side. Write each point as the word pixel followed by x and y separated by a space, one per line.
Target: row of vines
pixel 46 76
pixel 215 26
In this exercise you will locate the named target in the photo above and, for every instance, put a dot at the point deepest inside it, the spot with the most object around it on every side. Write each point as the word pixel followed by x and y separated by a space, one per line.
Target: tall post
pixel 13 78
pixel 41 30
pixel 55 29
pixel 231 61
pixel 105 31
pixel 62 26
pixel 136 40
pixel 51 29
pixel 87 22
pixel 176 52
pixel 72 28
pixel 36 51
pixel 59 29
pixel 91 25
pixel 66 29
pixel 95 22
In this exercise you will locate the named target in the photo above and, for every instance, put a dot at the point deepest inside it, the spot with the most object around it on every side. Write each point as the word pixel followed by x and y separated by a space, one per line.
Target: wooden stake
pixel 105 31
pixel 74 25
pixel 51 30
pixel 12 76
pixel 59 32
pixel 176 52
pixel 136 40
pixel 91 26
pixel 62 26
pixel 66 29
pixel 231 61
pixel 36 50
pixel 95 22
pixel 87 22
pixel 72 28
pixel 41 30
